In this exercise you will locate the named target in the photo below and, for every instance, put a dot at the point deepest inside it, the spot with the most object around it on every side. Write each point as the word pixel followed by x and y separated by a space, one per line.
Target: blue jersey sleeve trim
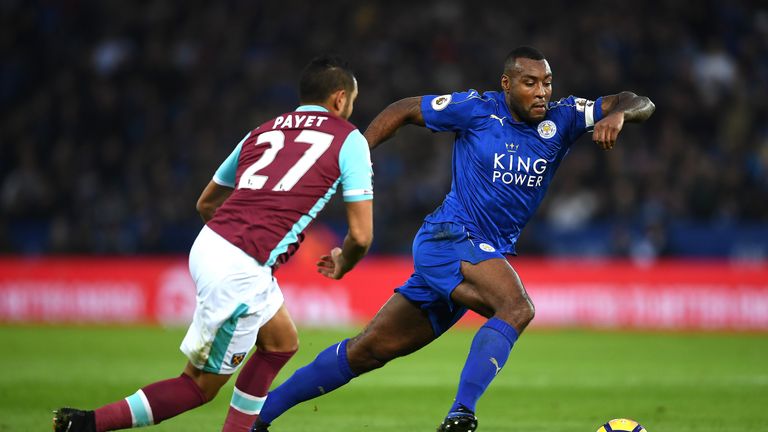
pixel 356 168
pixel 598 113
pixel 225 175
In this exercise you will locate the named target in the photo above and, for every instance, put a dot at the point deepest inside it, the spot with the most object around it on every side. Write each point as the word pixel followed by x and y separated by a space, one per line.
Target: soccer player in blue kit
pixel 508 146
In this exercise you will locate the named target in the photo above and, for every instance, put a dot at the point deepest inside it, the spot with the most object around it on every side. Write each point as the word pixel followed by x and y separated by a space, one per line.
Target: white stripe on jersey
pixel 353 192
pixel 589 114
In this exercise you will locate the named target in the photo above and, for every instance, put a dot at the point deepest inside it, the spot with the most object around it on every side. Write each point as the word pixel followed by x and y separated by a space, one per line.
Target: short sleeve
pixel 578 115
pixel 450 112
pixel 356 168
pixel 588 112
pixel 225 175
pixel 585 114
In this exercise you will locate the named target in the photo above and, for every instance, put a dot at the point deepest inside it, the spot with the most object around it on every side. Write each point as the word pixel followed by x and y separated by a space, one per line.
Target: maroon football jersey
pixel 287 171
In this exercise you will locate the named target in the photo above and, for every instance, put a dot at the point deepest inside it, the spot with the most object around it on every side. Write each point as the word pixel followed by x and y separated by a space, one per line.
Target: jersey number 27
pixel 319 142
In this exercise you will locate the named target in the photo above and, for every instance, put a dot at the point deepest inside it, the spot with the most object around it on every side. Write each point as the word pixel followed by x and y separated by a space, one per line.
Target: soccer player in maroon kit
pixel 256 208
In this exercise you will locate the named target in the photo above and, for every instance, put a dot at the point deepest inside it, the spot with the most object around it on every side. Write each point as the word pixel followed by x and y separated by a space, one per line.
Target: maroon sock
pixel 172 397
pixel 251 388
pixel 151 405
pixel 114 416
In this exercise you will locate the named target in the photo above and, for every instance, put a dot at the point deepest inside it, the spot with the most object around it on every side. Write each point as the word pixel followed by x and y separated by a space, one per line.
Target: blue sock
pixel 327 372
pixel 488 354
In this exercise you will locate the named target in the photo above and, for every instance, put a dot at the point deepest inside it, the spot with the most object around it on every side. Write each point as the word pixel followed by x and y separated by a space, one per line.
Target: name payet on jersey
pixel 291 121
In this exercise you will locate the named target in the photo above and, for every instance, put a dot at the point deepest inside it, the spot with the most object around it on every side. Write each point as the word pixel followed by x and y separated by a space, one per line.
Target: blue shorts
pixel 438 250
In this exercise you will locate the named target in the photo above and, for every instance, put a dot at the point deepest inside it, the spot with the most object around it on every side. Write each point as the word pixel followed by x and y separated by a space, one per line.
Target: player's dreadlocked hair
pixel 521 52
pixel 323 76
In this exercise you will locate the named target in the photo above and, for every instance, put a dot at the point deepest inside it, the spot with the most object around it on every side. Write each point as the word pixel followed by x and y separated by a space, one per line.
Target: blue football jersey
pixel 502 167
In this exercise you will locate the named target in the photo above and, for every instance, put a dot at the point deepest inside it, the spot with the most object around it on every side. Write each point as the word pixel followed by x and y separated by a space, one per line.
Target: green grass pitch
pixel 555 380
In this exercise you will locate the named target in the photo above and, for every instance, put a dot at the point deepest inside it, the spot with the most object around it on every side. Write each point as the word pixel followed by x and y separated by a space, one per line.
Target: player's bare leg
pixel 492 289
pixel 277 342
pixel 209 383
pixel 398 329
pixel 278 334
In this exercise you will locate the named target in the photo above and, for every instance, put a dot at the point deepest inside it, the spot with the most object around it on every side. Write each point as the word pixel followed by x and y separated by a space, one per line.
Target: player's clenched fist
pixel 607 130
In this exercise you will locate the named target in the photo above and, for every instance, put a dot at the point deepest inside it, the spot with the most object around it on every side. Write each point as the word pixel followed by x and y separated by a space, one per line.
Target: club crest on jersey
pixel 547 129
pixel 441 102
pixel 237 358
pixel 487 248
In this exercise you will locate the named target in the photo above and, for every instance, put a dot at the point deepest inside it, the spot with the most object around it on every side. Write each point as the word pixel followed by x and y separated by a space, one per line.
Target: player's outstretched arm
pixel 356 243
pixel 617 109
pixel 213 197
pixel 405 111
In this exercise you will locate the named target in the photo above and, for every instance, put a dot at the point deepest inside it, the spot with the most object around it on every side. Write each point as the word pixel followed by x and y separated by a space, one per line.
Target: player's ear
pixel 340 100
pixel 505 82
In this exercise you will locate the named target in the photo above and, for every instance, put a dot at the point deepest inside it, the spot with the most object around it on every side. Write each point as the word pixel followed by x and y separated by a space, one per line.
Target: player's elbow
pixel 645 109
pixel 650 104
pixel 643 101
pixel 361 237
pixel 205 208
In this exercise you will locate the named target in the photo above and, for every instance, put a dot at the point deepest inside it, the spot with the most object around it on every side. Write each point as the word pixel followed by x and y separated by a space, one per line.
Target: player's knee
pixel 529 311
pixel 525 315
pixel 282 345
pixel 286 341
pixel 518 313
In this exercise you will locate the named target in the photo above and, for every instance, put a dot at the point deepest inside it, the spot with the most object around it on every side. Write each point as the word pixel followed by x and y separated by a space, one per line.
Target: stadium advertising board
pixel 607 294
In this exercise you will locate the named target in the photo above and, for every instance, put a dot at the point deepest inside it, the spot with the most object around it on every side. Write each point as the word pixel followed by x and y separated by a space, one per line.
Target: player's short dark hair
pixel 324 76
pixel 521 52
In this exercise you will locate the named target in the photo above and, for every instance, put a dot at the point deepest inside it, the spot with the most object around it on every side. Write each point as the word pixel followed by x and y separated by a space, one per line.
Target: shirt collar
pixel 311 108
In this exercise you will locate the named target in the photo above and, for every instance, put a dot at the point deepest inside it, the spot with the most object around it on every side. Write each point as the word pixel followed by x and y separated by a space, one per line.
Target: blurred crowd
pixel 114 115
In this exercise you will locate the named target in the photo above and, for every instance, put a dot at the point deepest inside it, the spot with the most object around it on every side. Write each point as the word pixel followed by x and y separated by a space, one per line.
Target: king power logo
pixel 512 169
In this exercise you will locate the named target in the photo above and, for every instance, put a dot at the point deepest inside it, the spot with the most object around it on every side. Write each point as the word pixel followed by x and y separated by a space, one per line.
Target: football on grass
pixel 621 425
